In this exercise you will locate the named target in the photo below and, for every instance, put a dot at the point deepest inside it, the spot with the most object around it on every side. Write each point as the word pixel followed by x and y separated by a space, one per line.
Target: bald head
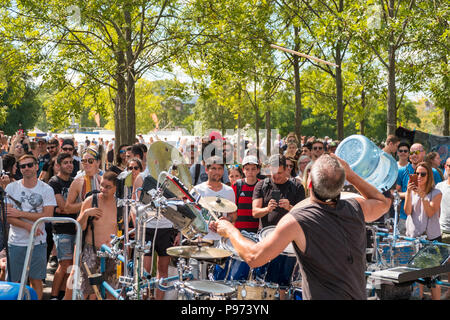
pixel 417 153
pixel 327 177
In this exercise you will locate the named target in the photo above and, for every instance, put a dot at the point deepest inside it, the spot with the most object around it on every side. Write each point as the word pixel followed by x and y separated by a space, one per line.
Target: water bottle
pixel 368 161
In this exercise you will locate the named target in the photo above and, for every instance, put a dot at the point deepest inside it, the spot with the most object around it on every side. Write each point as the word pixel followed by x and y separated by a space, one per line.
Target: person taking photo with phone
pixel 422 206
pixel 275 196
pixel 416 155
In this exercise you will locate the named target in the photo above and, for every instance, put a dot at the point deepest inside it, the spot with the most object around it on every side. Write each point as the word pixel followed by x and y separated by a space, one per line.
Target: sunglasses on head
pixel 415 152
pixel 422 174
pixel 67 149
pixel 403 150
pixel 135 168
pixel 29 165
pixel 90 160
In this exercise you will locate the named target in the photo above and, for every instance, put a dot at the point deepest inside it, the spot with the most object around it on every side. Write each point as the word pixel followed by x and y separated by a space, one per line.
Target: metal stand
pixel 26 266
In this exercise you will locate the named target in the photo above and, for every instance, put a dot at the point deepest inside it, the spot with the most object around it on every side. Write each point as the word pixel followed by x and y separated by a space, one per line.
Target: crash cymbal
pixel 218 204
pixel 210 254
pixel 162 156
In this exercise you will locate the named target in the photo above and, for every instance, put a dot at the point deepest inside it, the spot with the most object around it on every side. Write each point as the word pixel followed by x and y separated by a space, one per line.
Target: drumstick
pixel 97 292
pixel 304 55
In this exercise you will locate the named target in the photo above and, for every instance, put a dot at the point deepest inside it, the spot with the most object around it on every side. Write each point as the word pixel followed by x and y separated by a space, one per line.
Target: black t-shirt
pixel 76 168
pixel 334 261
pixel 291 190
pixel 115 169
pixel 110 156
pixel 61 187
pixel 44 162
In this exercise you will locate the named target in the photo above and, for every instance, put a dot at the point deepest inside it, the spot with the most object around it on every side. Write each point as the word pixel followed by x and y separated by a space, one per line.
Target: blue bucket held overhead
pixel 368 161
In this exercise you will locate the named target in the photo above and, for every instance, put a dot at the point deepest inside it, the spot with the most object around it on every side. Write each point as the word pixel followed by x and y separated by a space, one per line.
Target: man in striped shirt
pixel 244 193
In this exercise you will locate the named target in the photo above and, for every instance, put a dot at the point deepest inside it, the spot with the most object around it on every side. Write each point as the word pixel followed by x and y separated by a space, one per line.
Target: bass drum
pixel 281 269
pixel 234 269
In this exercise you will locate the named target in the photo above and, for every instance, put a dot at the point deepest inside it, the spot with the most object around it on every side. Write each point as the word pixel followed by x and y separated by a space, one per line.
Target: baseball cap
pixel 250 160
pixel 215 135
pixel 68 141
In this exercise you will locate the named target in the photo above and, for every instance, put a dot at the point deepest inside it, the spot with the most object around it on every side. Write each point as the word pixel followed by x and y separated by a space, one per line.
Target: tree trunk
pixel 362 124
pixel 298 98
pixel 339 96
pixel 130 82
pixel 121 97
pixel 268 133
pixel 256 121
pixel 339 85
pixel 446 131
pixel 392 91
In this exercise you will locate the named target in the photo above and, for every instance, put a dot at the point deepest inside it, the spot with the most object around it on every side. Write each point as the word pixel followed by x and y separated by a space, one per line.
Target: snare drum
pixel 235 269
pixel 205 290
pixel 280 269
pixel 253 290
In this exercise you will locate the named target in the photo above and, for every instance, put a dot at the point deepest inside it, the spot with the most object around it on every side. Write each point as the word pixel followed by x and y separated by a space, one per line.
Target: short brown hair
pixel 392 138
pixel 27 156
pixel 110 176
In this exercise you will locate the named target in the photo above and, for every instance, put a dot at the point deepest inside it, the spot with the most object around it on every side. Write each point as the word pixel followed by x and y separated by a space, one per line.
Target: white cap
pixel 250 159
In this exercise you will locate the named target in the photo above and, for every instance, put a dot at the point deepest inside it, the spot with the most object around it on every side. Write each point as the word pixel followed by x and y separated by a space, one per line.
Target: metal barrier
pixel 26 266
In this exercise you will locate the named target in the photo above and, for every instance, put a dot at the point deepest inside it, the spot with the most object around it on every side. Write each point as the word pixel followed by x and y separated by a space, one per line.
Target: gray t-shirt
pixel 444 219
pixel 334 262
pixel 418 223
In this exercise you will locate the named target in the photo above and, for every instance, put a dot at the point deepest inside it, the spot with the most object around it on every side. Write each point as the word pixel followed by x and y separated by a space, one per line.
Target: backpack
pixel 90 222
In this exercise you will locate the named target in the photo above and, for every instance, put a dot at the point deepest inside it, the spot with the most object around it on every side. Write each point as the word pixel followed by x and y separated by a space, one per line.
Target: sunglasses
pixel 415 152
pixel 51 147
pixel 122 151
pixel 317 148
pixel 90 160
pixel 422 174
pixel 403 150
pixel 233 166
pixel 29 165
pixel 67 149
pixel 447 165
pixel 135 168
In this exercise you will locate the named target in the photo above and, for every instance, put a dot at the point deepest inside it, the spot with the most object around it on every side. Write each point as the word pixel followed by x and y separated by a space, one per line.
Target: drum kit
pixel 170 196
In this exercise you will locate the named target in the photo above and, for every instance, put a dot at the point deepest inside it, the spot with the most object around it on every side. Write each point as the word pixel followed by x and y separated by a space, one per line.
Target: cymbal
pixel 218 204
pixel 161 156
pixel 210 254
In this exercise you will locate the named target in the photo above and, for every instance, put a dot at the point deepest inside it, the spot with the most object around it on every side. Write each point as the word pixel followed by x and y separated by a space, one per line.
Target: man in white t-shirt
pixel 213 187
pixel 28 200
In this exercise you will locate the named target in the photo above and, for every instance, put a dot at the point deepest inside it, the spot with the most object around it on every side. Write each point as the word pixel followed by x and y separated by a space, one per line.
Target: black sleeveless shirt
pixel 334 262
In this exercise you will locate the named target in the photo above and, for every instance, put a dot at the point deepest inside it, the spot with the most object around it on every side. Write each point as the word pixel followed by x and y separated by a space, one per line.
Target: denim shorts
pixel 38 262
pixel 65 244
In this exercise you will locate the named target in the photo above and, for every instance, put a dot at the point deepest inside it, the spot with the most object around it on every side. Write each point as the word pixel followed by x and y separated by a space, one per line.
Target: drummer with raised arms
pixel 328 233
